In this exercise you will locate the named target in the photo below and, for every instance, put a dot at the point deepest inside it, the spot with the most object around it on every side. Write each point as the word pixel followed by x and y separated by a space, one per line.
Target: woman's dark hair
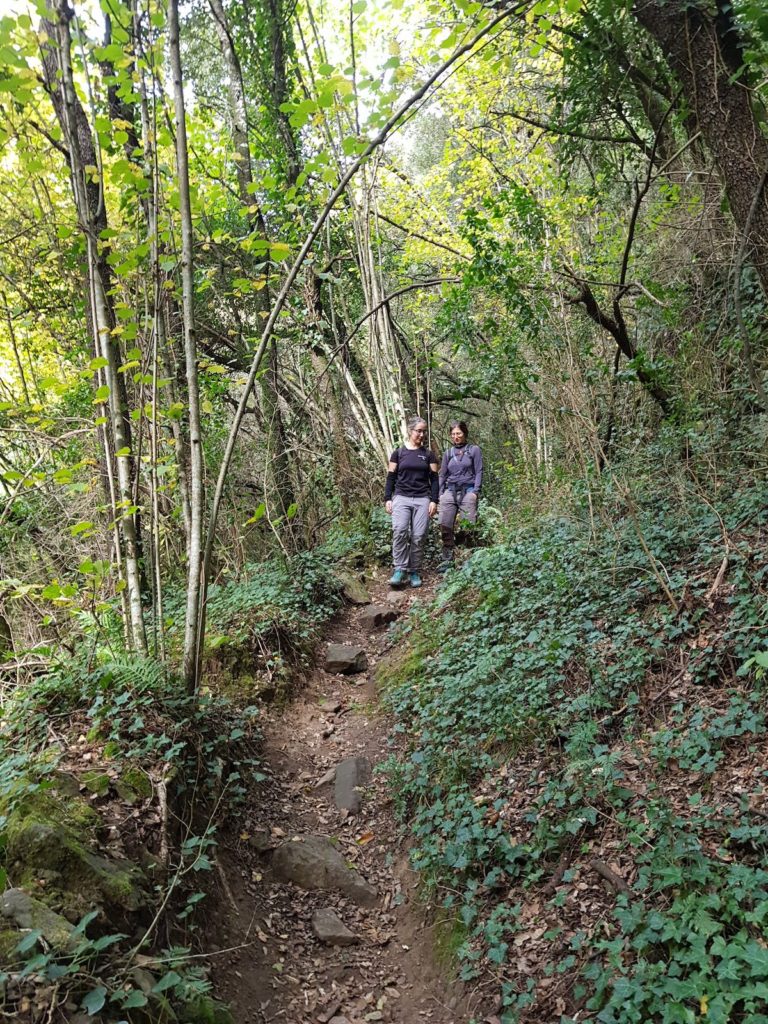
pixel 461 425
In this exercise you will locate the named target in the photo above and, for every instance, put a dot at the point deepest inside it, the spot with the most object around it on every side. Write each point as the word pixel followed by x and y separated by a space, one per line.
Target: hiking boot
pixel 397 579
pixel 415 579
pixel 445 566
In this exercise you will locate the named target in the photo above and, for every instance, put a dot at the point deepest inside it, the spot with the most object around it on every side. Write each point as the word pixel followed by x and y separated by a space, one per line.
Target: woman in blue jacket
pixel 461 476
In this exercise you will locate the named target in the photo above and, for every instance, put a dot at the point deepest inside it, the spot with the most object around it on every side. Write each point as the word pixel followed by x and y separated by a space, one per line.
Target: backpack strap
pixel 467 448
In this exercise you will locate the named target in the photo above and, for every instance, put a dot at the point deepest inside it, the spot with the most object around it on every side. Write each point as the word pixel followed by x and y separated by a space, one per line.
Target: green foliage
pixel 94 971
pixel 538 652
pixel 700 954
pixel 267 621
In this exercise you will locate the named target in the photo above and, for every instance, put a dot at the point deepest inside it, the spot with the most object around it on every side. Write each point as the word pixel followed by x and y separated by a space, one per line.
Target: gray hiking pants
pixel 450 508
pixel 410 522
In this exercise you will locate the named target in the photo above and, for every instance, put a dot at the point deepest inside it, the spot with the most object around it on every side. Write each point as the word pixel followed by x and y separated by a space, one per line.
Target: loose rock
pixel 346 659
pixel 261 840
pixel 313 862
pixel 376 615
pixel 28 913
pixel 353 589
pixel 326 779
pixel 351 776
pixel 330 929
pixel 95 782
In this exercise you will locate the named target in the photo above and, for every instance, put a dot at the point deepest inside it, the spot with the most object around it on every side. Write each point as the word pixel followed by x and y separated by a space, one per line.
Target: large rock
pixel 397 598
pixel 314 863
pixel 133 785
pixel 351 775
pixel 331 930
pixel 49 837
pixel 376 615
pixel 345 658
pixel 30 914
pixel 353 589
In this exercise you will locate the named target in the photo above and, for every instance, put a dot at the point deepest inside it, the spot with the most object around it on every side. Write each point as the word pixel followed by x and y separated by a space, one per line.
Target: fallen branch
pixel 225 886
pixel 718 580
pixel 562 866
pixel 618 883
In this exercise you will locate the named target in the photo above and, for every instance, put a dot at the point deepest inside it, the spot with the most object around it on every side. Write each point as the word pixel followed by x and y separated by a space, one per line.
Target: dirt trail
pixel 268 963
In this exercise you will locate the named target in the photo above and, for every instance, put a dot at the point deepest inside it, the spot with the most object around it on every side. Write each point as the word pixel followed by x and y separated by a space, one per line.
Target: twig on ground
pixel 557 876
pixel 718 579
pixel 162 800
pixel 618 883
pixel 225 886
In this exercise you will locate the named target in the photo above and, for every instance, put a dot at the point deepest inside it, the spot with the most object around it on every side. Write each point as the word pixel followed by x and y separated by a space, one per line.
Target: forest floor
pixel 268 964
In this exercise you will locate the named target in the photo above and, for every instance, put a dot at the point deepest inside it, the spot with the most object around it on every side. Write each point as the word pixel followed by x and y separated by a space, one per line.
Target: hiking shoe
pixel 397 579
pixel 415 579
pixel 445 566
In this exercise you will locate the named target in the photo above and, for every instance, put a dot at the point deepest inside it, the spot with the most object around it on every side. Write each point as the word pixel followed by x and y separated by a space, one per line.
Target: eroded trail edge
pixel 319 915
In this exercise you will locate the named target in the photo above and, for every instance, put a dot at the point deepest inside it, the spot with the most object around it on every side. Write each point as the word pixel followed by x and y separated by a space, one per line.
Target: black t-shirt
pixel 414 478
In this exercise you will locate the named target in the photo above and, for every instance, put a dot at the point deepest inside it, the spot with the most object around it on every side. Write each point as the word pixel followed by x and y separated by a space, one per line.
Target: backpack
pixel 468 448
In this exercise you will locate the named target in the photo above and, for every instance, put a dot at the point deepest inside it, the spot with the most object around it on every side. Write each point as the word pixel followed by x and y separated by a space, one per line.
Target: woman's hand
pixel 388 507
pixel 432 508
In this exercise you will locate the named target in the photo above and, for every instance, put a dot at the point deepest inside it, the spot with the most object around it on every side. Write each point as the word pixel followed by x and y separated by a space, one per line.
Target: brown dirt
pixel 267 963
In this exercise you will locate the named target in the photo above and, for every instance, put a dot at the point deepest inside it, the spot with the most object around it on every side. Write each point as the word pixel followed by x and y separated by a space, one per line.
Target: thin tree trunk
pixel 151 206
pixel 89 202
pixel 708 65
pixel 279 467
pixel 330 399
pixel 160 301
pixel 197 492
pixel 14 346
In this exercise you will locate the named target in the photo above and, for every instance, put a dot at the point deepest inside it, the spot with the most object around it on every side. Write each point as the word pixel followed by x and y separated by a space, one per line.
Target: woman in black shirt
pixel 411 499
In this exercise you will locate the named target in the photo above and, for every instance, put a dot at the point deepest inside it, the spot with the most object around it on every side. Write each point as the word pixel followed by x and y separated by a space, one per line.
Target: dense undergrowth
pixel 162 770
pixel 583 721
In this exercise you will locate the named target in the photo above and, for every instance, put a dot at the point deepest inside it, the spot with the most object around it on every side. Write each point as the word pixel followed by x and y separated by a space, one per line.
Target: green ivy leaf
pixel 94 1001
pixel 167 981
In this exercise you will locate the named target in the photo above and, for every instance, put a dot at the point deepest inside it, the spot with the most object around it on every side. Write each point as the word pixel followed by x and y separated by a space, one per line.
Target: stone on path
pixel 28 913
pixel 376 615
pixel 261 840
pixel 351 775
pixel 345 658
pixel 331 930
pixel 313 862
pixel 326 779
pixel 353 589
pixel 397 598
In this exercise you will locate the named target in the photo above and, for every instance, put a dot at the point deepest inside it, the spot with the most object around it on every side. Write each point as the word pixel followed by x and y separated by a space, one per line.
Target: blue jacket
pixel 462 468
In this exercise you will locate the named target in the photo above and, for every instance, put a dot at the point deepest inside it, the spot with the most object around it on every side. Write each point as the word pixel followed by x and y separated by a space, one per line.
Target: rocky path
pixel 319 920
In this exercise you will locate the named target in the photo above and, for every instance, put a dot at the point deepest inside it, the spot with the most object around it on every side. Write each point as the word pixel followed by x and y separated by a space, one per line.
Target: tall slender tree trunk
pixel 322 343
pixel 707 65
pixel 278 470
pixel 194 625
pixel 89 202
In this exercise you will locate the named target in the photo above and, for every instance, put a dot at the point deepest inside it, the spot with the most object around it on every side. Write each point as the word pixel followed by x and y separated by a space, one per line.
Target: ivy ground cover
pixel 580 757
